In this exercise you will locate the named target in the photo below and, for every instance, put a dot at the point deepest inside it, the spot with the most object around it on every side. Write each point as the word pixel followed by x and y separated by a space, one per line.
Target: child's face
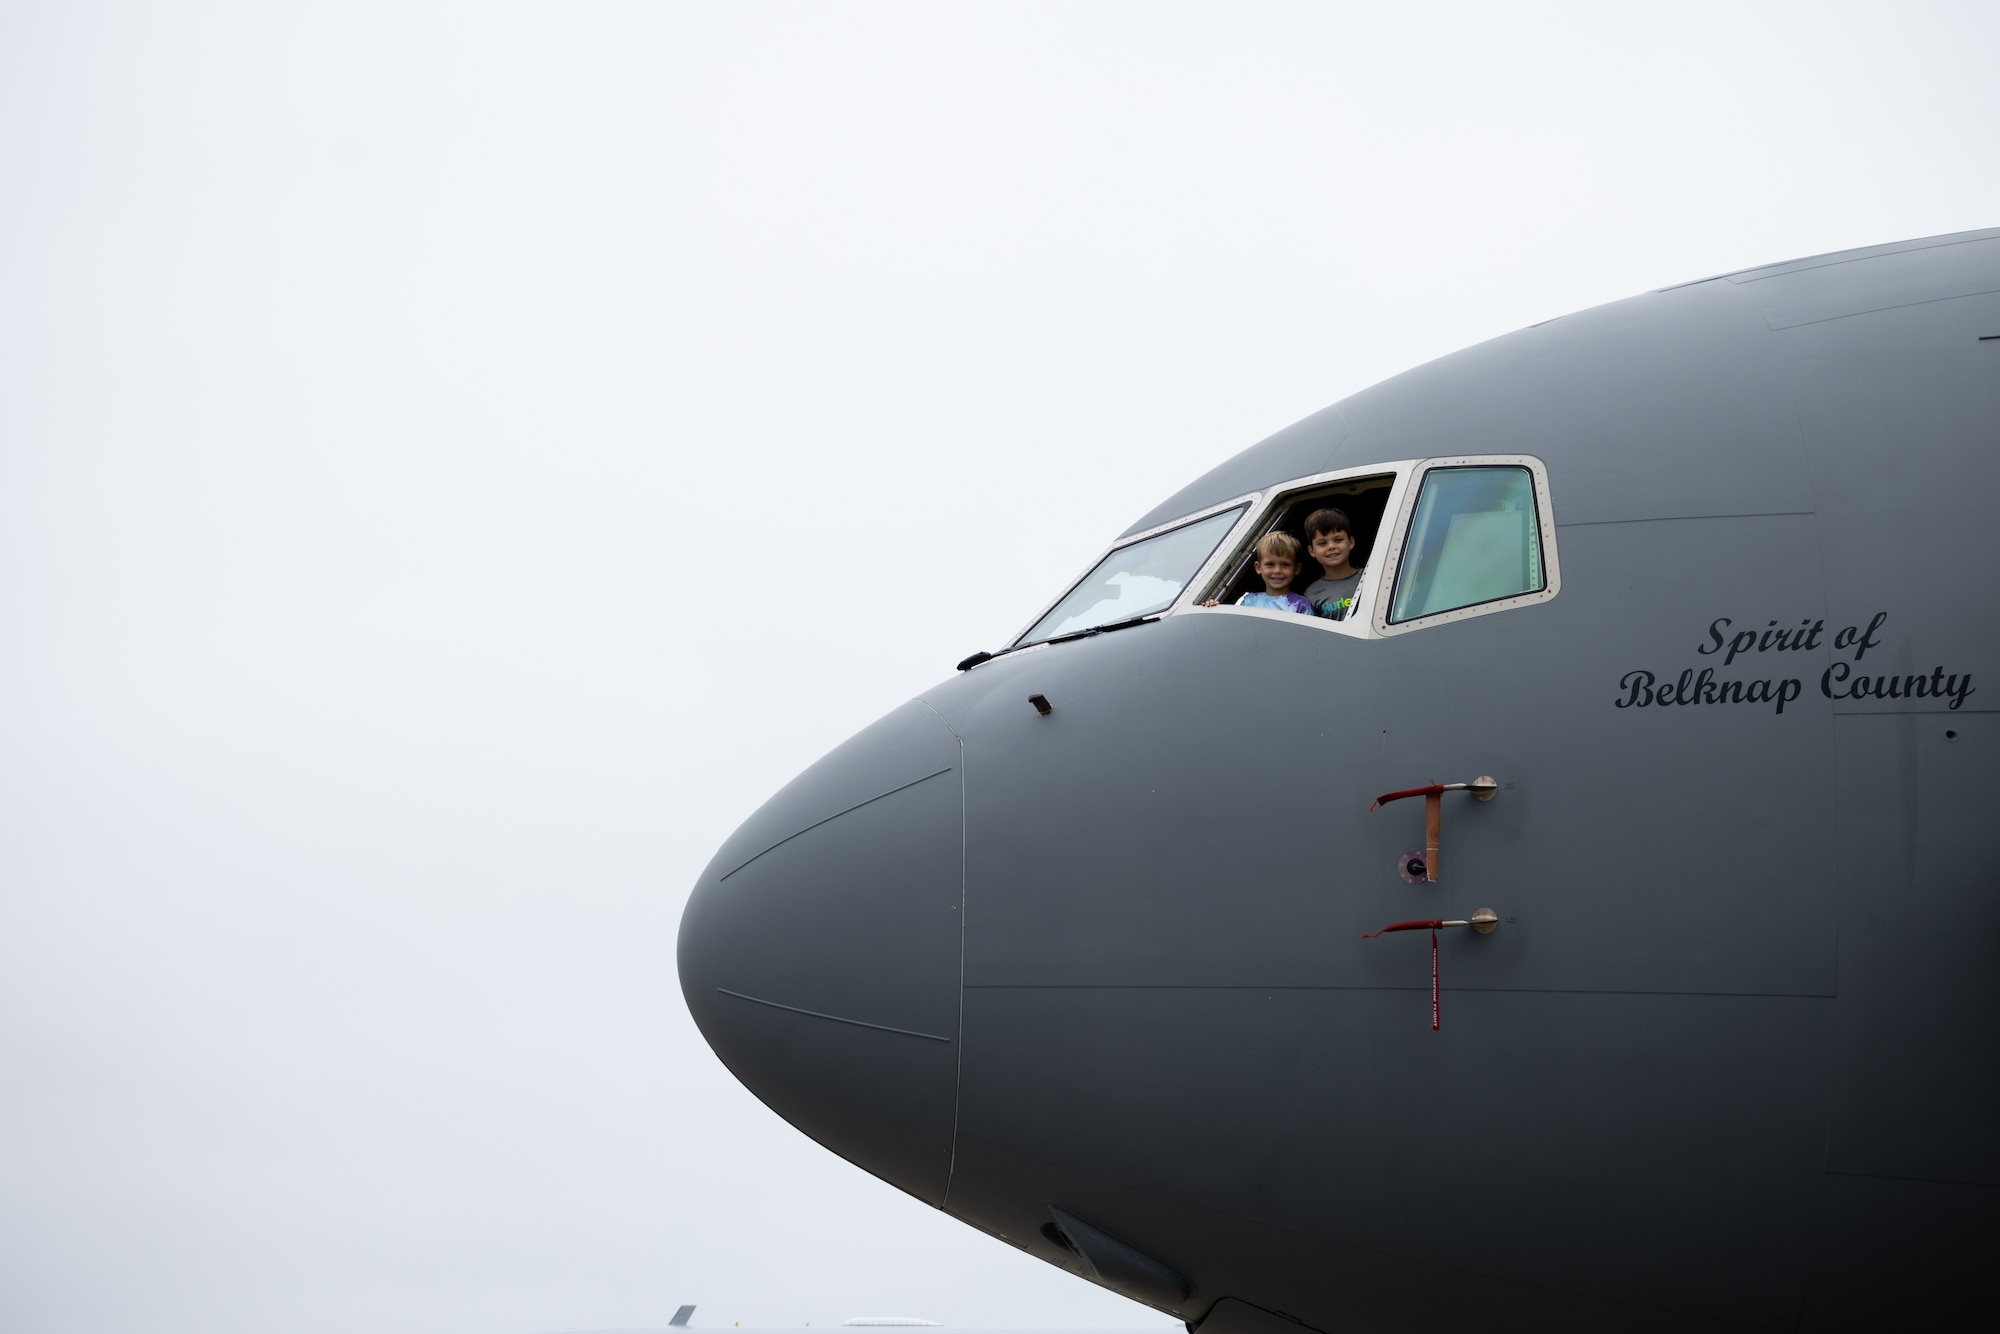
pixel 1277 573
pixel 1331 550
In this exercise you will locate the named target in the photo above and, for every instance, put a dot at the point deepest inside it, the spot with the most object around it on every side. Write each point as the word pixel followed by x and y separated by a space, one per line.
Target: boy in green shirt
pixel 1330 540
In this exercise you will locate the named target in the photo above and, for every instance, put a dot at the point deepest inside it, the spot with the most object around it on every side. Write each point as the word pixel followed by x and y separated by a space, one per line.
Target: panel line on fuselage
pixel 1338 986
pixel 836 1018
pixel 958 1075
pixel 1683 518
pixel 835 816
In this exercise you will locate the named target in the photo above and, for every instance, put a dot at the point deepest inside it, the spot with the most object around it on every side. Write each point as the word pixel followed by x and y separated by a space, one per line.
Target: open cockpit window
pixel 1140 579
pixel 1478 540
pixel 1359 502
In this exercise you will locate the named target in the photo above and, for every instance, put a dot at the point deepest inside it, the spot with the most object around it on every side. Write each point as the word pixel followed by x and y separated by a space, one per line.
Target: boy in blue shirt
pixel 1277 566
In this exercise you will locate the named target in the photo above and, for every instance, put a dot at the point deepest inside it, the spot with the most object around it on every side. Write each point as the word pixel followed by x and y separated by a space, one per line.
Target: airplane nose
pixel 820 951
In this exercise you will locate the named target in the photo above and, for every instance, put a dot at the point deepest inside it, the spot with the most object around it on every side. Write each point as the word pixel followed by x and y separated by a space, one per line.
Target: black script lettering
pixel 1641 686
pixel 1643 689
pixel 1881 687
pixel 1868 639
pixel 1834 684
pixel 1959 692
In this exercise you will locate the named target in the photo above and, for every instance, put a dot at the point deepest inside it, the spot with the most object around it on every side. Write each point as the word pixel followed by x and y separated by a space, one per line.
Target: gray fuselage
pixel 1094 980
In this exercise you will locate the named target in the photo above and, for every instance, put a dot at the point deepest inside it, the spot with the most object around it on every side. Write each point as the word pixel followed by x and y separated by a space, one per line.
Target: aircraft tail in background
pixel 681 1317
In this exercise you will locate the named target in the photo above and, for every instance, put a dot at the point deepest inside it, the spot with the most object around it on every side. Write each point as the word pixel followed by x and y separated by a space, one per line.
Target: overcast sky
pixel 456 462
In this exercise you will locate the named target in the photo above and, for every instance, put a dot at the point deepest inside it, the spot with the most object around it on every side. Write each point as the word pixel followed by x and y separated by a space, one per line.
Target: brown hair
pixel 1327 521
pixel 1279 544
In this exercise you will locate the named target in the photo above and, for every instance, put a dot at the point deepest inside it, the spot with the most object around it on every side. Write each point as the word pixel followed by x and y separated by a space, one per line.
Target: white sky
pixel 456 462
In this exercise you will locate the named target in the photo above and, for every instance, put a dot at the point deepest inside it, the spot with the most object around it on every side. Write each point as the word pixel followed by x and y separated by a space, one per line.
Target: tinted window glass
pixel 1474 539
pixel 1137 580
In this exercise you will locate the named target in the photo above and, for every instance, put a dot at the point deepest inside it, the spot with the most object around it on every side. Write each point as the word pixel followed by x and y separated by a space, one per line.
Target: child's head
pixel 1330 538
pixel 1277 561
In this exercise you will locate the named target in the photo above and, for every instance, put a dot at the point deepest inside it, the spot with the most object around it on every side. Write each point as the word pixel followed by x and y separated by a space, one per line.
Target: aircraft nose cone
pixel 820 952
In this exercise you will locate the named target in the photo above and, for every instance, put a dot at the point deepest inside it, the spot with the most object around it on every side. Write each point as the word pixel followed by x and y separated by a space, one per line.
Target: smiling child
pixel 1277 566
pixel 1331 541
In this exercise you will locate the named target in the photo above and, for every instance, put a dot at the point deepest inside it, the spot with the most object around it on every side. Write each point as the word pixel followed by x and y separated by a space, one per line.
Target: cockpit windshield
pixel 1136 580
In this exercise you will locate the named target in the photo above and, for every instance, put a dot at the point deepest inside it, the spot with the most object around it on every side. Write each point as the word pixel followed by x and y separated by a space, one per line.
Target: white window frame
pixel 1253 507
pixel 1389 554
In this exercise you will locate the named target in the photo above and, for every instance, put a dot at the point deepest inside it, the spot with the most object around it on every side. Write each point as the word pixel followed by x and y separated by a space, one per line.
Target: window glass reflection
pixel 1474 539
pixel 1137 580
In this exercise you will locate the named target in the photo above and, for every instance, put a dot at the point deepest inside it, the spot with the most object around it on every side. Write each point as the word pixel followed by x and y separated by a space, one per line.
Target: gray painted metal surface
pixel 1728 1060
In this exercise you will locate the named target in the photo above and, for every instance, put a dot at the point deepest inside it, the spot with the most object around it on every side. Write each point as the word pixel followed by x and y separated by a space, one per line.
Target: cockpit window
pixel 1475 538
pixel 1361 501
pixel 1136 580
